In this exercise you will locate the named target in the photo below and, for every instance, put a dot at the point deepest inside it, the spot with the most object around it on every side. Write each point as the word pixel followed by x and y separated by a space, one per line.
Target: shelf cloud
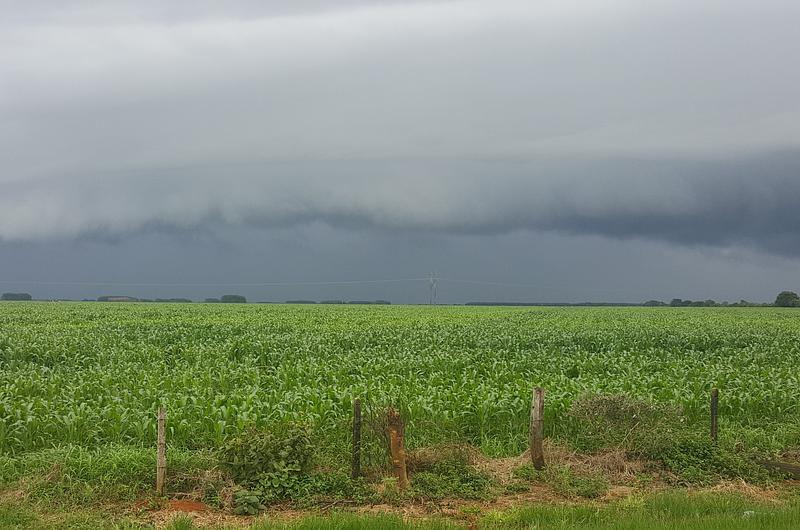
pixel 674 121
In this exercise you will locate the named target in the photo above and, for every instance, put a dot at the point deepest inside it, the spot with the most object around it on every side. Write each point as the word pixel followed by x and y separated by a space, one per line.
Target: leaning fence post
pixel 536 431
pixel 714 413
pixel 355 470
pixel 161 456
pixel 396 434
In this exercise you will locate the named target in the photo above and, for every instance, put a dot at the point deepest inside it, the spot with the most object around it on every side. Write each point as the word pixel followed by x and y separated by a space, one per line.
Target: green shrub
pixel 274 461
pixel 696 459
pixel 247 502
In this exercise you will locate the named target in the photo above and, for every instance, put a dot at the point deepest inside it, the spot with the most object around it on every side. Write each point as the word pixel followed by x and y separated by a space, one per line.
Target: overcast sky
pixel 613 150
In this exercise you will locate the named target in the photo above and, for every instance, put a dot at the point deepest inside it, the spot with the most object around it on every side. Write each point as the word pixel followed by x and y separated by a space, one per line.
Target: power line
pixel 432 280
pixel 526 285
pixel 507 284
pixel 257 284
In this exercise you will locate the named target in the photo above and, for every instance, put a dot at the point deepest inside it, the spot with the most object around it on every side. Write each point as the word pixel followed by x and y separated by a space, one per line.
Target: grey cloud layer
pixel 744 201
pixel 594 118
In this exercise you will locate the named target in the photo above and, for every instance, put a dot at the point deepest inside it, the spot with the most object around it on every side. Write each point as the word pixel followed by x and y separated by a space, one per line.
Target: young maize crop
pixel 93 374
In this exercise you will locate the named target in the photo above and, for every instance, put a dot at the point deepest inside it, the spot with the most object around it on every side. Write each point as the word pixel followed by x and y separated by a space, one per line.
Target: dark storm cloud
pixel 671 121
pixel 519 266
pixel 750 201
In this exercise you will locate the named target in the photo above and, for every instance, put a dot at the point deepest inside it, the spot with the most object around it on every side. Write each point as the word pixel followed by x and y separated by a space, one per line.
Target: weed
pixel 517 486
pixel 275 461
pixel 526 472
pixel 565 482
pixel 247 502
pixel 452 476
pixel 181 523
pixel 695 459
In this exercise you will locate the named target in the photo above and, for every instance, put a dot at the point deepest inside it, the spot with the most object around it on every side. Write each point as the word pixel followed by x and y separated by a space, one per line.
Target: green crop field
pixel 93 374
pixel 81 383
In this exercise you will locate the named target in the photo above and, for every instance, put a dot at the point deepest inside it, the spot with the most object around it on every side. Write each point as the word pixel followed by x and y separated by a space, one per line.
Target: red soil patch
pixel 171 505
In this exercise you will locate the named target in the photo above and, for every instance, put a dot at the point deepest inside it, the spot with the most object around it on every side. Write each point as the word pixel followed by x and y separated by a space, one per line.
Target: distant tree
pixel 676 302
pixel 174 300
pixel 654 303
pixel 787 299
pixel 745 303
pixel 116 298
pixel 212 300
pixel 233 299
pixel 15 296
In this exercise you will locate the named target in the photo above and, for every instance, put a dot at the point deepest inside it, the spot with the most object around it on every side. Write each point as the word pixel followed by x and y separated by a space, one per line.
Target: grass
pixel 562 479
pixel 708 511
pixel 77 476
pixel 668 511
pixel 447 472
pixel 21 517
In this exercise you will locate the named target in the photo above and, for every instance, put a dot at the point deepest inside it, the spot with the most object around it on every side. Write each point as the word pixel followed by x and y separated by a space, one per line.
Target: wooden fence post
pixel 355 470
pixel 714 413
pixel 161 457
pixel 536 431
pixel 396 434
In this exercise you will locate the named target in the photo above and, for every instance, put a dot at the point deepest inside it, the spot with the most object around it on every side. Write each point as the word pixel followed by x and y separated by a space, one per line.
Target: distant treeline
pixel 357 302
pixel 114 298
pixel 784 299
pixel 555 304
pixel 677 302
pixel 227 299
pixel 15 296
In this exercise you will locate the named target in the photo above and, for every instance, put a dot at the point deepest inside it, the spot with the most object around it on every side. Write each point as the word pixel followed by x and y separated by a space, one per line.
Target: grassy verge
pixel 666 511
pixel 617 444
pixel 706 511
pixel 76 476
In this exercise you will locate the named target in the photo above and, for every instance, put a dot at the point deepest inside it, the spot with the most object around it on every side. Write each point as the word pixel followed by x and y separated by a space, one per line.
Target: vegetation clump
pixel 273 462
pixel 452 475
pixel 664 435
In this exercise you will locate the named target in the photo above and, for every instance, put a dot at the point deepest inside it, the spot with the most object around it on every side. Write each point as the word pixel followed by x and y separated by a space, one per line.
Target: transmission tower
pixel 433 280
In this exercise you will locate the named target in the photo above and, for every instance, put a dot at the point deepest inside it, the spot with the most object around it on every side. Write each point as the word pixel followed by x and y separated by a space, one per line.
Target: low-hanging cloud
pixel 672 121
pixel 751 202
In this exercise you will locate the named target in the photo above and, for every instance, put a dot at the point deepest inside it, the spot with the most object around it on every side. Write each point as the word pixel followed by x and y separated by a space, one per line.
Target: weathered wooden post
pixel 397 449
pixel 355 470
pixel 161 456
pixel 714 414
pixel 536 430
